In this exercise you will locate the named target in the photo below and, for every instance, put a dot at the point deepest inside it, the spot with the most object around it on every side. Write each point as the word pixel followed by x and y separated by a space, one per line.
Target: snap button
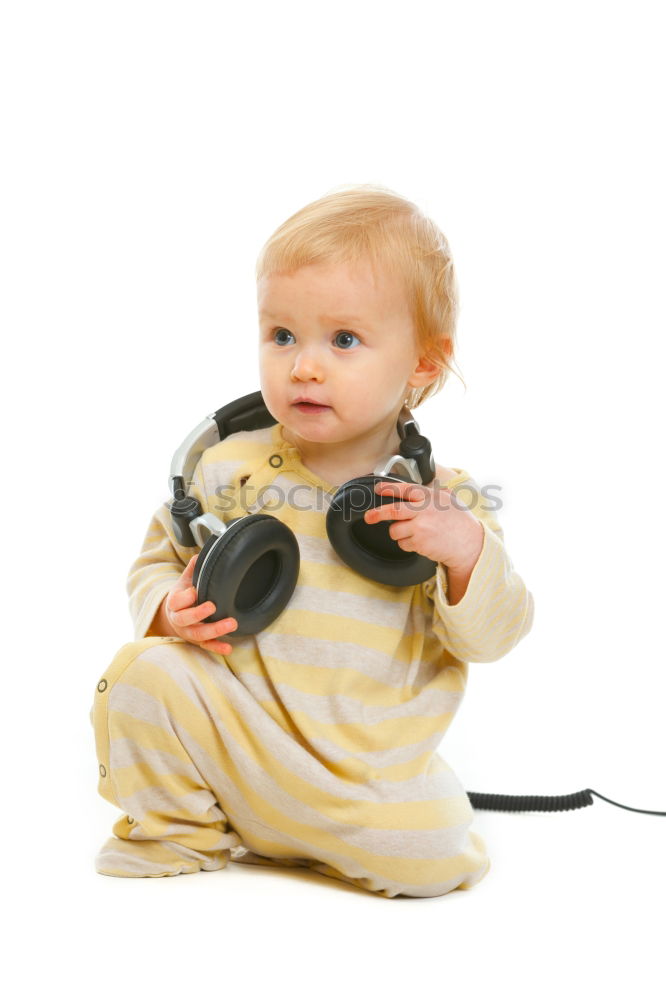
pixel 102 770
pixel 130 820
pixel 102 686
pixel 275 461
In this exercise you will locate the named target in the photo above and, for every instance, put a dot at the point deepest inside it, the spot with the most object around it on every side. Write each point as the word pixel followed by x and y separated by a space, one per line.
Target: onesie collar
pixel 292 458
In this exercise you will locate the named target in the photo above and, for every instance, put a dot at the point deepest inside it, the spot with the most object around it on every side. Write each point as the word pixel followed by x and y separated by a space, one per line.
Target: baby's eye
pixel 279 331
pixel 346 333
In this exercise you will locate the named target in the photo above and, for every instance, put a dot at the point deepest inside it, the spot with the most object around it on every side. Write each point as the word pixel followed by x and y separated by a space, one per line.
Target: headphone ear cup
pixel 249 572
pixel 369 548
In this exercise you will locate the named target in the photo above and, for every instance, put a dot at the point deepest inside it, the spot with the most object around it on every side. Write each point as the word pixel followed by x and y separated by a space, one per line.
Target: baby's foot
pixel 154 858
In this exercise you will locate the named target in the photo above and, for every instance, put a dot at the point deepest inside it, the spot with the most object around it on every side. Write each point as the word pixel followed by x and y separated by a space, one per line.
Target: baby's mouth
pixel 311 407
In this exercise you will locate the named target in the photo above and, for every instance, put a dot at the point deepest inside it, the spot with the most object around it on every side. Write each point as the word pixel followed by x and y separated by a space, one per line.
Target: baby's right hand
pixel 185 616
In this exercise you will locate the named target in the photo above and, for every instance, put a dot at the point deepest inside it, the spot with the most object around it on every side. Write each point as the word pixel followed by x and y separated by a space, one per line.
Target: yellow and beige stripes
pixel 315 742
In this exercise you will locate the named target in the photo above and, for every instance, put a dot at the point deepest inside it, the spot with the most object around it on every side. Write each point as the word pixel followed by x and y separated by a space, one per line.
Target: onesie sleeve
pixel 496 610
pixel 161 561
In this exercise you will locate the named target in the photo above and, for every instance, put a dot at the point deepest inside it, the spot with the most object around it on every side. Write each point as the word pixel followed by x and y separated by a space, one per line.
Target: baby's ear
pixel 424 373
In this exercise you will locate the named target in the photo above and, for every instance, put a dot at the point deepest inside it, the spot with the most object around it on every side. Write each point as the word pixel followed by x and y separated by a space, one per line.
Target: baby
pixel 314 743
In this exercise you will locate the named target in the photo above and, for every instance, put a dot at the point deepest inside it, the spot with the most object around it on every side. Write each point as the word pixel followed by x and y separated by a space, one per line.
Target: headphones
pixel 249 566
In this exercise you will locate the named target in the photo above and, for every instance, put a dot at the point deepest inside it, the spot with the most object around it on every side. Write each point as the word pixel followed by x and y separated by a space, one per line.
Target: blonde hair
pixel 372 222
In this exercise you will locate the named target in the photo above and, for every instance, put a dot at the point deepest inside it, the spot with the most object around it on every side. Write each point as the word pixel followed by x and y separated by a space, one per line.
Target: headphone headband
pixel 249 413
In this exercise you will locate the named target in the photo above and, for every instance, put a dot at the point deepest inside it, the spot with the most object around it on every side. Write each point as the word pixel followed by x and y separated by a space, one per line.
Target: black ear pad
pixel 249 572
pixel 368 548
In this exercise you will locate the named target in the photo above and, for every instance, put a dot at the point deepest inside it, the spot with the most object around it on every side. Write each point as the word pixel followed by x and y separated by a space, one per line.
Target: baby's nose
pixel 307 366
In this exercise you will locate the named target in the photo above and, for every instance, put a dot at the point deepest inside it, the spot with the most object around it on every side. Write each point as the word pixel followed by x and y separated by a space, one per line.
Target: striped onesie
pixel 313 743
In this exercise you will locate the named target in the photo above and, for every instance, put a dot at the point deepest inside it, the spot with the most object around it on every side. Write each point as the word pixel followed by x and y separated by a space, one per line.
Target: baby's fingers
pixel 179 599
pixel 217 646
pixel 191 615
pixel 188 573
pixel 210 630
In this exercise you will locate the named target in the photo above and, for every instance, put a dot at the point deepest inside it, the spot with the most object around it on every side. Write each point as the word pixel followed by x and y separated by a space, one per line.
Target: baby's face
pixel 331 333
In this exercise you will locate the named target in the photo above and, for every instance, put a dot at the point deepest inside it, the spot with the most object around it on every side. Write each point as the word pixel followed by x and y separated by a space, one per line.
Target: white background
pixel 149 151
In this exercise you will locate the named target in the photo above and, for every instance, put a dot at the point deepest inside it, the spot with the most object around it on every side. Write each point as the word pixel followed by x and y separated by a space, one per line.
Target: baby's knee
pixel 428 890
pixel 143 664
pixel 437 881
pixel 136 682
pixel 137 695
pixel 424 881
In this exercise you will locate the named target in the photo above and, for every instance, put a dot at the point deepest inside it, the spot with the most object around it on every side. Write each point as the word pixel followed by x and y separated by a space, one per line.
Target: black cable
pixel 544 803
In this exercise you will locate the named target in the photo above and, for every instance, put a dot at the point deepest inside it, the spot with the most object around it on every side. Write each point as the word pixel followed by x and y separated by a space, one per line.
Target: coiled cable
pixel 544 803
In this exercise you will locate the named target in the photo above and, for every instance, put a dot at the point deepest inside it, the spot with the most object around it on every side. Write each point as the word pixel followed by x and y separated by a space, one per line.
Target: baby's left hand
pixel 431 522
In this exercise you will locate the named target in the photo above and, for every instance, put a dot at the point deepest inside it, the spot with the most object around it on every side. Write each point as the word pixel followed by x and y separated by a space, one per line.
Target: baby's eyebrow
pixel 333 320
pixel 352 320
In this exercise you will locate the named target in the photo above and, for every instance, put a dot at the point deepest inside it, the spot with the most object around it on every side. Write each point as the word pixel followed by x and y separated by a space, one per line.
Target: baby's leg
pixel 155 742
pixel 180 738
pixel 386 877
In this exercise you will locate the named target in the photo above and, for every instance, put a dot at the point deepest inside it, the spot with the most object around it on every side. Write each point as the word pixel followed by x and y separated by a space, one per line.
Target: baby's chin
pixel 324 432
